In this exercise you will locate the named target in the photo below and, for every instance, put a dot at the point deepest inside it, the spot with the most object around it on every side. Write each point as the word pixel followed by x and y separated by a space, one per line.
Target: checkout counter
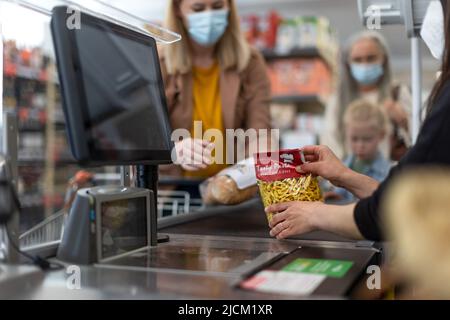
pixel 216 253
pixel 208 256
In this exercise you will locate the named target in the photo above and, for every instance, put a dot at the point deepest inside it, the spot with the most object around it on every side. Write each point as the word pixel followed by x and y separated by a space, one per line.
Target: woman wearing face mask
pixel 214 77
pixel 363 219
pixel 366 73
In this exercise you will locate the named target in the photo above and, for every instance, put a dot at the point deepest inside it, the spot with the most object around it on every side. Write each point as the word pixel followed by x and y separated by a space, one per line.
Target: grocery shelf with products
pixel 44 168
pixel 305 103
pixel 326 54
pixel 301 55
pixel 26 63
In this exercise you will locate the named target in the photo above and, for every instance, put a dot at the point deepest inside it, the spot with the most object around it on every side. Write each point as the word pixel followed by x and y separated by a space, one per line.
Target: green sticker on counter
pixel 329 268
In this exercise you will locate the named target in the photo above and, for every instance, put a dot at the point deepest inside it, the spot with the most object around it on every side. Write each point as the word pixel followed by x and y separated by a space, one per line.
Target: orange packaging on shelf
pixel 9 69
pixel 305 76
pixel 25 57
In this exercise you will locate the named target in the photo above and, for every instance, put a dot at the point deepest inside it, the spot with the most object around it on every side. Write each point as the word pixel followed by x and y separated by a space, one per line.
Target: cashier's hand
pixel 321 161
pixel 292 218
pixel 194 154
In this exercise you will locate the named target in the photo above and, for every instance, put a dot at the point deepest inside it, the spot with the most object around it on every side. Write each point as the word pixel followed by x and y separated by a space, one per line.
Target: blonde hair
pixel 363 111
pixel 232 51
pixel 417 220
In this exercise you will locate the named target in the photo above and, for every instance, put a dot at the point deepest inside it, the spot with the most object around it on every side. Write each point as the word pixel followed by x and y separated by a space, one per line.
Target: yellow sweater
pixel 208 110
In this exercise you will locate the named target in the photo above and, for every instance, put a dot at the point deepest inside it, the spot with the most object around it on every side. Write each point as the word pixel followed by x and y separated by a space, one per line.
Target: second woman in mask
pixel 366 73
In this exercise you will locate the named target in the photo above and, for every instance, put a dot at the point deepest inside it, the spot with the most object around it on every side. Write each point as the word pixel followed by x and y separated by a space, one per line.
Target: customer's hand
pixel 292 218
pixel 194 154
pixel 321 161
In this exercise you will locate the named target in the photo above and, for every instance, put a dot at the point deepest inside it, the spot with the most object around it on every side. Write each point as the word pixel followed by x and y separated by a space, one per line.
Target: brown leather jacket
pixel 245 99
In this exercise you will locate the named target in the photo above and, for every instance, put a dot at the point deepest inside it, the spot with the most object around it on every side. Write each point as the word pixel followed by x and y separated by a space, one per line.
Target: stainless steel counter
pixel 209 253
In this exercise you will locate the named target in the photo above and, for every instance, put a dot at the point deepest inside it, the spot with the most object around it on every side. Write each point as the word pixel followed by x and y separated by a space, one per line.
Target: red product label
pixel 273 166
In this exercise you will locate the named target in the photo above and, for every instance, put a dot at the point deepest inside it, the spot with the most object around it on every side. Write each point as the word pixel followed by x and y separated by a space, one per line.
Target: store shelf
pixel 35 207
pixel 37 201
pixel 41 128
pixel 36 122
pixel 297 99
pixel 28 73
pixel 305 103
pixel 306 52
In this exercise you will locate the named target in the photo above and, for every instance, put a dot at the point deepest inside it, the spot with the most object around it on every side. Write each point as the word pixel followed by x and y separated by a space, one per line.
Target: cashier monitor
pixel 112 90
pixel 116 114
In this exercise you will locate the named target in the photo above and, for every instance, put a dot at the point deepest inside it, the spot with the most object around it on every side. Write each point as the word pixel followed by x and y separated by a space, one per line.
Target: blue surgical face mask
pixel 207 27
pixel 367 74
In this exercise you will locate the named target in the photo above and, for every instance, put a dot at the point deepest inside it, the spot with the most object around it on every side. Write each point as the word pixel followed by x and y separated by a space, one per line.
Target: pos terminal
pixel 116 114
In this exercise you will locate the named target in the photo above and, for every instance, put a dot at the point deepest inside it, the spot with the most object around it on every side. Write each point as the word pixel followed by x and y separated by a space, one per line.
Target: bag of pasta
pixel 279 182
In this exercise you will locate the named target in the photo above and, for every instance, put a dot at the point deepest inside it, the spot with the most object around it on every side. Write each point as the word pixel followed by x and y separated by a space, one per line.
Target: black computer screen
pixel 121 104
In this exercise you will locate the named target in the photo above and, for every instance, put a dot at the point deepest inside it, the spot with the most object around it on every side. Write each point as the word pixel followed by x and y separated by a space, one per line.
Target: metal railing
pixel 47 231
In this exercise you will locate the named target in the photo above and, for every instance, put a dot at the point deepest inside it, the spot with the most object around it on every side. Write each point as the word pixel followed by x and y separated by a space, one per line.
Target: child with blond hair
pixel 365 128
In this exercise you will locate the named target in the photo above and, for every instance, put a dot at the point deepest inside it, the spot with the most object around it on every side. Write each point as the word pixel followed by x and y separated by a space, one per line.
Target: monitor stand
pixel 147 177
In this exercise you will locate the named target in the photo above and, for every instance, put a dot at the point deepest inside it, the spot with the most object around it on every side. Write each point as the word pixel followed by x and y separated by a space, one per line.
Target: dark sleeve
pixel 431 149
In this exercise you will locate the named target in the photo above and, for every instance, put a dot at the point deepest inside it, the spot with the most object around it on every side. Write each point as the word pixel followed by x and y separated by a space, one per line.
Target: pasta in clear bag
pixel 279 181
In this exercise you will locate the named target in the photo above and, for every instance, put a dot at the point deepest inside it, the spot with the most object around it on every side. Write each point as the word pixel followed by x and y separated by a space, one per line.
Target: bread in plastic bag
pixel 231 186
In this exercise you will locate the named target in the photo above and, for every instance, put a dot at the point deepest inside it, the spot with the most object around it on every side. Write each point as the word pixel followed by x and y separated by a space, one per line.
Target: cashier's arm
pixel 324 163
pixel 293 218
